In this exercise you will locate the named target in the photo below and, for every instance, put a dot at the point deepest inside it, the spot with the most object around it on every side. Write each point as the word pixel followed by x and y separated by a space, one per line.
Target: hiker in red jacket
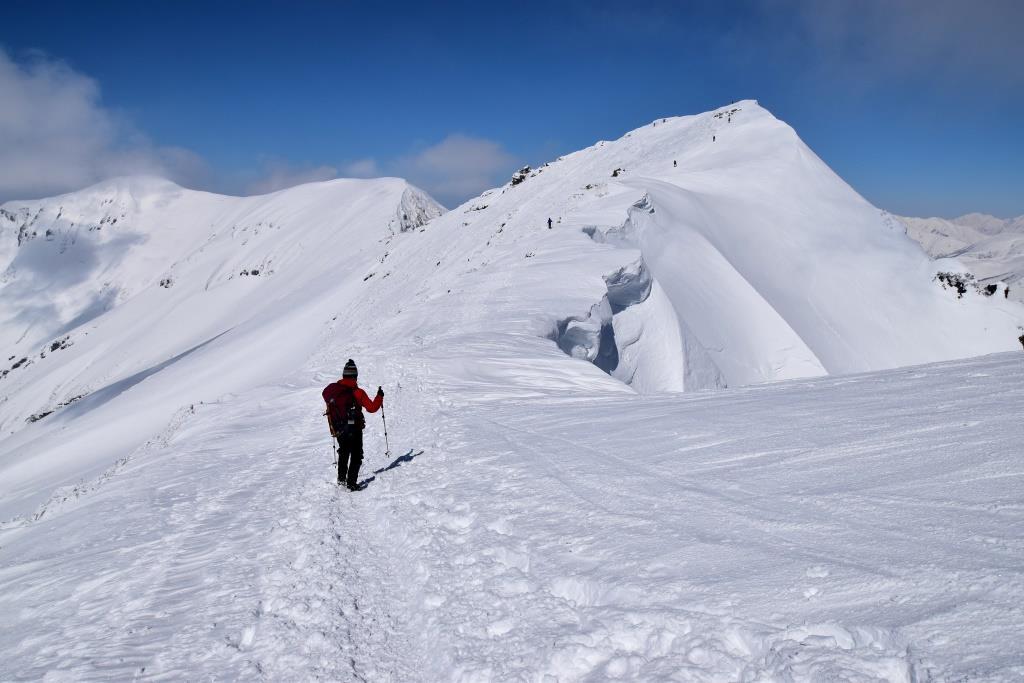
pixel 345 401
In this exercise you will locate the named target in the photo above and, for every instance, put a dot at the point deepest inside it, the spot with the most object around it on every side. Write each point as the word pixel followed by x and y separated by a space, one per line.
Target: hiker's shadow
pixel 397 462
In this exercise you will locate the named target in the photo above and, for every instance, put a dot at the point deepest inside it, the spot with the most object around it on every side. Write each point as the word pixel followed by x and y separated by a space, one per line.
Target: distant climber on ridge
pixel 345 401
pixel 549 223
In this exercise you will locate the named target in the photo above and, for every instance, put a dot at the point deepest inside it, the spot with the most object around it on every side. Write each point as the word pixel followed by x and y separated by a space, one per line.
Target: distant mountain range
pixel 991 248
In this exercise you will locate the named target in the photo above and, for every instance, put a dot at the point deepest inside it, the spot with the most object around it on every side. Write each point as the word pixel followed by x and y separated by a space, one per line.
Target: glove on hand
pixel 380 392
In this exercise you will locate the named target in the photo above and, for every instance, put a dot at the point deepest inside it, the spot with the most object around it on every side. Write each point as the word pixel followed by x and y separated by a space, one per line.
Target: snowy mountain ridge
pixel 124 235
pixel 128 282
pixel 753 267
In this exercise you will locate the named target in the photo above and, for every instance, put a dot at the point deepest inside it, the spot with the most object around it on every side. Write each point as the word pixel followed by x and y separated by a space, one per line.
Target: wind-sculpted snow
pixel 632 334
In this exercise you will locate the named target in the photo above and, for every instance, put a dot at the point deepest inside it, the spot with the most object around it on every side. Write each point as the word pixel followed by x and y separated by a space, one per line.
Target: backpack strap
pixel 330 420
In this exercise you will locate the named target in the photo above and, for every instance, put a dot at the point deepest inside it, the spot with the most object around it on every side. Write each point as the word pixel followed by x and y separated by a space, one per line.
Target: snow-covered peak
pixel 751 259
pixel 74 256
pixel 990 225
pixel 122 189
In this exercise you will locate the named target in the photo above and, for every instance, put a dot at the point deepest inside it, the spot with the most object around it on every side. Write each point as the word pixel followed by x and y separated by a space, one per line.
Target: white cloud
pixel 361 168
pixel 457 168
pixel 280 174
pixel 453 170
pixel 56 136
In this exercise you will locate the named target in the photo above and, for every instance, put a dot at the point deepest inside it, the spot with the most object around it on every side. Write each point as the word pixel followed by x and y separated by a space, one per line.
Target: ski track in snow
pixel 856 528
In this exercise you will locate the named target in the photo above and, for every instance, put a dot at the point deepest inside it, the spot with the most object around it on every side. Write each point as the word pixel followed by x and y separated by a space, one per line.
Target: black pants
pixel 350 456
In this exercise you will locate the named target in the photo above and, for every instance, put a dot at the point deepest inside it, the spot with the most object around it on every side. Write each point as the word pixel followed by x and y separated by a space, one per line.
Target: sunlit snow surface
pixel 861 528
pixel 552 504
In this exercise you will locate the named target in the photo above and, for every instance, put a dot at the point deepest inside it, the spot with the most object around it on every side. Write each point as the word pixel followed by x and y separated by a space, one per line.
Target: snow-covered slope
pixel 130 301
pixel 858 529
pixel 990 248
pixel 164 506
pixel 749 260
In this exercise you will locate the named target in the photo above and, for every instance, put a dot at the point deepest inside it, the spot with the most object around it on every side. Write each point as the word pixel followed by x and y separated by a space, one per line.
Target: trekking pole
pixel 387 448
pixel 334 444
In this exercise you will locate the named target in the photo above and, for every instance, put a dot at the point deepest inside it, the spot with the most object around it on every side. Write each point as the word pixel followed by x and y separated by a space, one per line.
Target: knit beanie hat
pixel 350 370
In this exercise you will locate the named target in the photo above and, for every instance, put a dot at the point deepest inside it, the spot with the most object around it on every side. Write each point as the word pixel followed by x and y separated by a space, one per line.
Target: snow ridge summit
pixel 757 262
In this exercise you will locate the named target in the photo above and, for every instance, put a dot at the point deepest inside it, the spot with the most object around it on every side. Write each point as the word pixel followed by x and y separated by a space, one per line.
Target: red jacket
pixel 348 384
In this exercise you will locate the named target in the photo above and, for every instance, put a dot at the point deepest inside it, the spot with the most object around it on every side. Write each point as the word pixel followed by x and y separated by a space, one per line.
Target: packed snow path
pixel 851 528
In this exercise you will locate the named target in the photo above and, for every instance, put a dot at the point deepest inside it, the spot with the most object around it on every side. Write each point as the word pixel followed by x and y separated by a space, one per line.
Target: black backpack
pixel 344 414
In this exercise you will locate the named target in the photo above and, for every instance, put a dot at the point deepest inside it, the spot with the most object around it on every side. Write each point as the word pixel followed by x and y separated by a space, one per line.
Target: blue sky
pixel 916 104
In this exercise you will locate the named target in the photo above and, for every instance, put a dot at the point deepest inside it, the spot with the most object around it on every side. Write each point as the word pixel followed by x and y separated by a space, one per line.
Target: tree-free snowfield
pixel 862 528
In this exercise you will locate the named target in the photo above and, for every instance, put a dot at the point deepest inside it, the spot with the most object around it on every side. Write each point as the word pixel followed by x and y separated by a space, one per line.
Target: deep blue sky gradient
pixel 918 130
